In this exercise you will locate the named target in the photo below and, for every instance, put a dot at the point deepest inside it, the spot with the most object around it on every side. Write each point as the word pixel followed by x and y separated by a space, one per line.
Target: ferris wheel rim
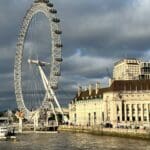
pixel 55 50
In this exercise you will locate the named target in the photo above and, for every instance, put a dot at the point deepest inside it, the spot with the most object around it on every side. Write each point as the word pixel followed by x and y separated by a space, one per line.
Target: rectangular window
pixel 94 117
pixel 75 118
pixel 133 118
pixel 145 118
pixel 102 116
pixel 89 116
pixel 118 118
pixel 139 118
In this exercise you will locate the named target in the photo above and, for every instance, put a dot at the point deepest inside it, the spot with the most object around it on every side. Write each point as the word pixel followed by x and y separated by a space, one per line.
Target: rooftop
pixel 127 59
pixel 116 86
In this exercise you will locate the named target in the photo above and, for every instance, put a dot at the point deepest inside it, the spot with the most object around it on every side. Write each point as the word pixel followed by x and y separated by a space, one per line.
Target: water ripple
pixel 73 141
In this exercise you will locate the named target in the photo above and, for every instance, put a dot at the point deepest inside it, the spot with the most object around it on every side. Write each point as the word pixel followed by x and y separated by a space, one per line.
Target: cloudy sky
pixel 96 33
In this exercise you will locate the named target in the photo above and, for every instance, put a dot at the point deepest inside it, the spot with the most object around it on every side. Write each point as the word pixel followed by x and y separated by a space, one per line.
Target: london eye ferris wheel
pixel 48 70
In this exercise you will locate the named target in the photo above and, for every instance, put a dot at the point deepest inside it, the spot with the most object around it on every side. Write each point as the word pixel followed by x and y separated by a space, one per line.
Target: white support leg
pixel 20 125
pixel 49 90
pixel 50 96
pixel 36 117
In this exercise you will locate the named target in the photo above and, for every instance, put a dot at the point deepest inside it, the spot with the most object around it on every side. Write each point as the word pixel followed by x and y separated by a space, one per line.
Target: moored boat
pixel 7 133
pixel 3 132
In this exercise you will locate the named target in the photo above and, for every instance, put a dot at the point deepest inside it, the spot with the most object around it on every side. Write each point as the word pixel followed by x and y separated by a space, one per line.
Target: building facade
pixel 145 70
pixel 131 69
pixel 86 108
pixel 127 69
pixel 123 103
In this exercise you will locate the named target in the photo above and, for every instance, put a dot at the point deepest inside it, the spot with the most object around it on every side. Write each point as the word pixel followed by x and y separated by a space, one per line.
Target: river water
pixel 72 141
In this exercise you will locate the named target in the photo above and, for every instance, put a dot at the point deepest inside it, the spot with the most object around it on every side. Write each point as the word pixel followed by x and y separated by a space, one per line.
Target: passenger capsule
pixel 53 11
pixel 56 20
pixel 19 44
pixel 46 1
pixel 59 59
pixel 58 32
pixel 57 74
pixel 54 87
pixel 58 45
pixel 50 5
pixel 21 35
pixel 36 1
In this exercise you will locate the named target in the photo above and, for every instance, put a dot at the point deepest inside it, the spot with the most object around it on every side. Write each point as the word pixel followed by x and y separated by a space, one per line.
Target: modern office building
pixel 127 69
pixel 131 69
pixel 145 70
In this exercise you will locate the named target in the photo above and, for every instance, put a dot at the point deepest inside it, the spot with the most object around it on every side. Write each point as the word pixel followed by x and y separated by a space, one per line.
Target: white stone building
pixel 86 108
pixel 124 102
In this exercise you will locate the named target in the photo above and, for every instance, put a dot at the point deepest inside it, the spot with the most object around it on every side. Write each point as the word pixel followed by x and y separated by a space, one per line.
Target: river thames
pixel 72 141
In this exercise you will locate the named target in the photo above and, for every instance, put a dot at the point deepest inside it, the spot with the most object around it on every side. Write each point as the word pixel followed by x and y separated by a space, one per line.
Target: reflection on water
pixel 72 141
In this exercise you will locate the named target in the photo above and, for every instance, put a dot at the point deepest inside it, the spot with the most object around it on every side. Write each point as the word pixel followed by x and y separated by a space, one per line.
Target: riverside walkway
pixel 129 133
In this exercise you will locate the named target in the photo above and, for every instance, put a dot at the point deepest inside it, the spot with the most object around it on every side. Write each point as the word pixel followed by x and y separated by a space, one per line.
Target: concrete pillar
pixel 125 112
pixel 148 113
pixel 104 116
pixel 120 108
pixel 142 114
pixel 130 105
pixel 136 112
pixel 36 117
pixel 20 125
pixel 84 114
pixel 113 111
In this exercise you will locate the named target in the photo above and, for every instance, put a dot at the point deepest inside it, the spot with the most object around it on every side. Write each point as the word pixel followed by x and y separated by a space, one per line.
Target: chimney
pixel 90 89
pixel 110 81
pixel 85 88
pixel 79 90
pixel 97 87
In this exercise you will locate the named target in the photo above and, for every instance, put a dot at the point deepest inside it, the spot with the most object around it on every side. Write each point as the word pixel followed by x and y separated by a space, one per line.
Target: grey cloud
pixel 87 66
pixel 110 31
pixel 104 31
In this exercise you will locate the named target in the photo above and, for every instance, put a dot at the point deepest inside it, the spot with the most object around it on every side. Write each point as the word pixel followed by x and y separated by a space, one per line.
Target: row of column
pixel 139 112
